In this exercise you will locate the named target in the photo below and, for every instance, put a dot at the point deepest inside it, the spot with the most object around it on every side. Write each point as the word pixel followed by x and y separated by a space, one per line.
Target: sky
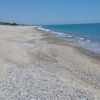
pixel 50 11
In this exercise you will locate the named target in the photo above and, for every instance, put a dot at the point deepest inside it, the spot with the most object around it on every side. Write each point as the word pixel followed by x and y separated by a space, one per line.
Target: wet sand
pixel 35 65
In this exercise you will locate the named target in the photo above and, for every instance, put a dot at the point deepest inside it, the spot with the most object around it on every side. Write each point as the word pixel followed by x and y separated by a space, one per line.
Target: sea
pixel 86 35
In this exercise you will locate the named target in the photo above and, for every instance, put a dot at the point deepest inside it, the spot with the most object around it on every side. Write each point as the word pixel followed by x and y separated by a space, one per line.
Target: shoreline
pixel 87 44
pixel 70 42
pixel 37 65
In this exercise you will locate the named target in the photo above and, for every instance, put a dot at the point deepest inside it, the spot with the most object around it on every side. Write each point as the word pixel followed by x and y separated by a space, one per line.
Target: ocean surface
pixel 87 35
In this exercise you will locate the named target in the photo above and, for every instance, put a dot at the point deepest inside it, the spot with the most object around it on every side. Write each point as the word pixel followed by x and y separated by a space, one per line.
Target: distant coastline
pixel 12 24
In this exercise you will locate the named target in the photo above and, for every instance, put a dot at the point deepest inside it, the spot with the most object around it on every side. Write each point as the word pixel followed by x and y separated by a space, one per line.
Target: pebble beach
pixel 35 65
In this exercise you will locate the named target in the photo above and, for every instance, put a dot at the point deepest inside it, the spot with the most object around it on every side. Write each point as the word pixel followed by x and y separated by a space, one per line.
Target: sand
pixel 35 65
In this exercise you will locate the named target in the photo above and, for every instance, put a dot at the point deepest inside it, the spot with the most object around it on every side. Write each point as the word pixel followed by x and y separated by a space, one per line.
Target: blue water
pixel 88 35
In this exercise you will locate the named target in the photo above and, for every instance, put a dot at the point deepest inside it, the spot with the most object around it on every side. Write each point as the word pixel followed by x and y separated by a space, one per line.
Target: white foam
pixel 81 39
pixel 69 36
pixel 62 34
pixel 92 46
pixel 40 28
pixel 59 33
pixel 88 41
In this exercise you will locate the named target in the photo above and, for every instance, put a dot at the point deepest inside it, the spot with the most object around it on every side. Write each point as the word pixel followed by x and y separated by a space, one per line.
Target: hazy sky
pixel 50 11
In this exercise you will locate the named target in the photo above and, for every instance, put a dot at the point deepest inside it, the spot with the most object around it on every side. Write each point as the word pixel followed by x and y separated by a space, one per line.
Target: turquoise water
pixel 88 35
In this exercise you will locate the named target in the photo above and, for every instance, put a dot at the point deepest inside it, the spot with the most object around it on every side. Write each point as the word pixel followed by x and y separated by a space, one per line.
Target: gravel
pixel 32 83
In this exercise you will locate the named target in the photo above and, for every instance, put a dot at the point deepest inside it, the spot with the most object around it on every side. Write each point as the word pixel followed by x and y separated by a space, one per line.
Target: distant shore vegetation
pixel 11 24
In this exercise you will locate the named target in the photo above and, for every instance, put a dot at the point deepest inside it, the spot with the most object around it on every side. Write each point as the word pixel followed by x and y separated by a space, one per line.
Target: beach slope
pixel 37 66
